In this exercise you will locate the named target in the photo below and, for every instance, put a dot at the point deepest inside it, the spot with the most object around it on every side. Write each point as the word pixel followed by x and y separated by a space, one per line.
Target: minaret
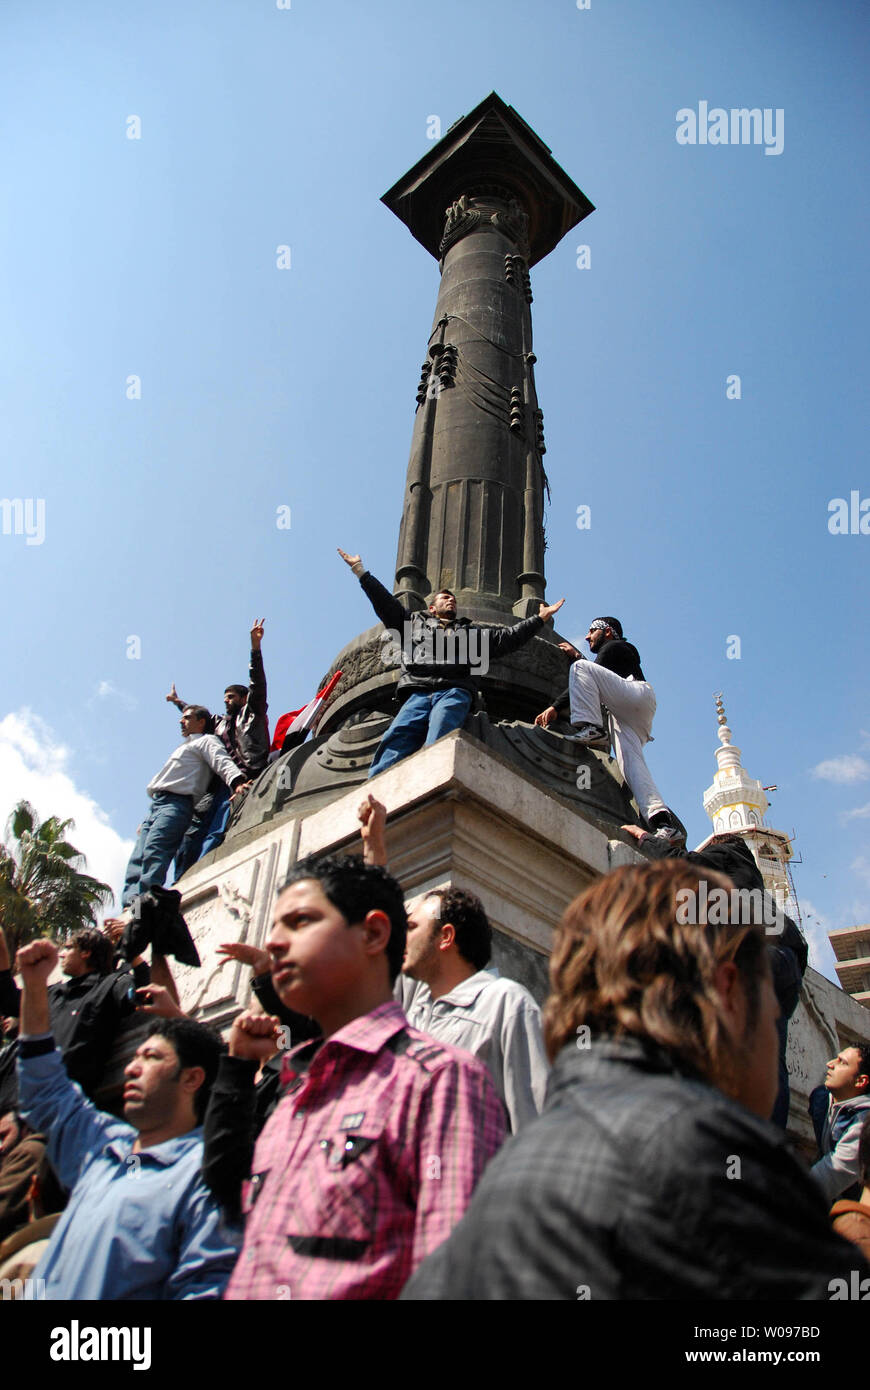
pixel 736 804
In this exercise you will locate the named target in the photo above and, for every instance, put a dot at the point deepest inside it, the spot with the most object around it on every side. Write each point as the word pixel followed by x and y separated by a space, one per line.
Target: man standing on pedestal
pixel 615 679
pixel 244 732
pixel 440 656
pixel 174 792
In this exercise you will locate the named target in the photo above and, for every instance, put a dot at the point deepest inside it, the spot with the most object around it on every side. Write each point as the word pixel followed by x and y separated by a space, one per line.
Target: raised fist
pixel 255 1037
pixel 35 961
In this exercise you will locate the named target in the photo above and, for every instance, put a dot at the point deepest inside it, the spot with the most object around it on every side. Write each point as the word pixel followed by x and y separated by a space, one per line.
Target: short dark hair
pixel 95 944
pixel 236 689
pixel 199 712
pixel 465 912
pixel 356 888
pixel 196 1045
pixel 443 591
pixel 863 1050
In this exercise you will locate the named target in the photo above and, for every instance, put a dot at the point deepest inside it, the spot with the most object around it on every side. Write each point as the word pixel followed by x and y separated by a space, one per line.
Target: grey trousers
pixel 632 706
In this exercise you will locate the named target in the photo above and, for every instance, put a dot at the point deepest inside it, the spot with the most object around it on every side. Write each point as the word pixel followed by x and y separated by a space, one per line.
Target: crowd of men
pixel 391 1117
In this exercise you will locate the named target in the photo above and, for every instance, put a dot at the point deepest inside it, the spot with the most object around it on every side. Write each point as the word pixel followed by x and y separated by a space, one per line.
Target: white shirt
pixel 496 1020
pixel 188 770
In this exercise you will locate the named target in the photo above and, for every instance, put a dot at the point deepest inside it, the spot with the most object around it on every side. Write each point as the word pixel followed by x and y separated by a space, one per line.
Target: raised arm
pixel 51 1103
pixel 503 640
pixel 173 699
pixel 373 817
pixel 385 604
pixel 230 1129
pixel 257 688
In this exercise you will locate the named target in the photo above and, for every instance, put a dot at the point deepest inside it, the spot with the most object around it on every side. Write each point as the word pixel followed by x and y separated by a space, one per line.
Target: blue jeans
pixel 204 832
pixel 424 717
pixel 160 834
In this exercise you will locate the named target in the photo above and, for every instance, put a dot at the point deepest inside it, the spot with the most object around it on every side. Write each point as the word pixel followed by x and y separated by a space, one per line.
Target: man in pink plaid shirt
pixel 373 1151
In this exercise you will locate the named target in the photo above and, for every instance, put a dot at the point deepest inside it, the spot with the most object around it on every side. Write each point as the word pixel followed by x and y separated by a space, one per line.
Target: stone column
pixel 473 512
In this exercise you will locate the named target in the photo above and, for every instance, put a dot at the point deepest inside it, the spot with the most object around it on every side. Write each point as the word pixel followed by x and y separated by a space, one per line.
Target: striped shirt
pixel 366 1164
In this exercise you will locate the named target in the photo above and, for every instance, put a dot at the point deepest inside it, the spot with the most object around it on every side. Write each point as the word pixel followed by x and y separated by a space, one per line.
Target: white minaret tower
pixel 736 804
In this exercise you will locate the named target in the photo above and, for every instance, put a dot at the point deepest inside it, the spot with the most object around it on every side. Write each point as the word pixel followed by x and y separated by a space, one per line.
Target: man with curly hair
pixel 653 1172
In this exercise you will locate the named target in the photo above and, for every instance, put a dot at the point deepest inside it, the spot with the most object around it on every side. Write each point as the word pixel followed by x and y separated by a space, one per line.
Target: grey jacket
pixel 837 1169
pixel 497 1021
pixel 639 1181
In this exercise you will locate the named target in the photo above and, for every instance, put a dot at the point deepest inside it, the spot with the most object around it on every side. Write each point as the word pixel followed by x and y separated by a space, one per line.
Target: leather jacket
pixel 246 734
pixel 435 655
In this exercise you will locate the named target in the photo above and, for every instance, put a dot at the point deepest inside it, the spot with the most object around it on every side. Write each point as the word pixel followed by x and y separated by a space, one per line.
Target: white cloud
pixel 107 691
pixel 861 867
pixel 859 812
pixel 848 768
pixel 34 767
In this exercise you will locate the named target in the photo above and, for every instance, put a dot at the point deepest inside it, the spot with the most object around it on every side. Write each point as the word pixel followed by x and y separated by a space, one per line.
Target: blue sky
pixel 262 388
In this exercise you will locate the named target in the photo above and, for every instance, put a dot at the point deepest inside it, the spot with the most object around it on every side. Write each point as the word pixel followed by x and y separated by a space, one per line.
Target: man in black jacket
pixel 615 679
pixel 88 1007
pixel 440 655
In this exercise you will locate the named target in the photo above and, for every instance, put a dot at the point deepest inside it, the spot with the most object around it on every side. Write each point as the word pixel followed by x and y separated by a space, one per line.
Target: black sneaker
pixel 592 736
pixel 663 826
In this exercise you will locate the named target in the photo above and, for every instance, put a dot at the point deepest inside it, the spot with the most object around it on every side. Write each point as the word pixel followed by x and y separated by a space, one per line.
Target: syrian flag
pixel 299 721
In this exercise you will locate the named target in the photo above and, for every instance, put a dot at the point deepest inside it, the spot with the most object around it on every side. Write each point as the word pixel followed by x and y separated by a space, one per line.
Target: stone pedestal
pixel 458 813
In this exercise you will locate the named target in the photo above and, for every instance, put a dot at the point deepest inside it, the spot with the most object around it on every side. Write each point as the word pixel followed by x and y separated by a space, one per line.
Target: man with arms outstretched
pixel 439 653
